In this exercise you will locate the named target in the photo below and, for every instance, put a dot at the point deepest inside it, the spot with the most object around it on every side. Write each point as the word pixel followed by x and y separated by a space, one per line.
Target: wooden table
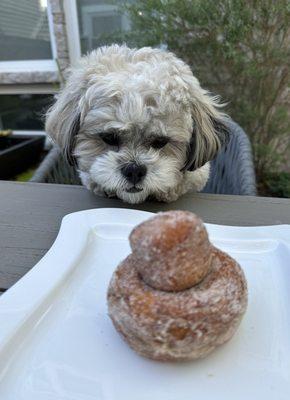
pixel 30 216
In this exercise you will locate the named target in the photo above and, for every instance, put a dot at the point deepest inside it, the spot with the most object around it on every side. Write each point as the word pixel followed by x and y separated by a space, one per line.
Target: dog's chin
pixel 132 196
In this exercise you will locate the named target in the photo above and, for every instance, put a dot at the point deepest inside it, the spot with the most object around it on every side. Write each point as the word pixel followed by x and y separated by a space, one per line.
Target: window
pixel 24 30
pixel 29 51
pixel 97 20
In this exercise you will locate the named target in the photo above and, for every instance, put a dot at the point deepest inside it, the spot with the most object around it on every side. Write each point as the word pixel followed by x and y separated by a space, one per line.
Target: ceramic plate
pixel 58 343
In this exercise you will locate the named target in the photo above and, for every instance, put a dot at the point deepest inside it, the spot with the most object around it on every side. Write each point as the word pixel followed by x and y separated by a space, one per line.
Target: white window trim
pixel 72 30
pixel 28 66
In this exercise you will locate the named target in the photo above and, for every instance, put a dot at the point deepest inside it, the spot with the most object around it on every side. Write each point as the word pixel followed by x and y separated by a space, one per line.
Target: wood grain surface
pixel 31 213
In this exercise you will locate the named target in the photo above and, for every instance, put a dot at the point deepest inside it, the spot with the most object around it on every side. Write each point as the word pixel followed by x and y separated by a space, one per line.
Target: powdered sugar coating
pixel 171 250
pixel 184 325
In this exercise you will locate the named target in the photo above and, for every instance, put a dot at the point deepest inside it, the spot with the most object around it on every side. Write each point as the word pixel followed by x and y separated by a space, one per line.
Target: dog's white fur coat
pixel 138 95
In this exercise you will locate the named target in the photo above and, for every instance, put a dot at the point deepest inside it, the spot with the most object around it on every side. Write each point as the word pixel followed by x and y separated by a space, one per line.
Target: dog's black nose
pixel 133 172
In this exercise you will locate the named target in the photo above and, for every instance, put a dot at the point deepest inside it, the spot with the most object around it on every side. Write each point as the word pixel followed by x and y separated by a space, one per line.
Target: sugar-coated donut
pixel 176 324
pixel 172 250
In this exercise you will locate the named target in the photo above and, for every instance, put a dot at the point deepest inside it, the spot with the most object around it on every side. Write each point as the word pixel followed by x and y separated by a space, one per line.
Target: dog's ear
pixel 63 121
pixel 210 131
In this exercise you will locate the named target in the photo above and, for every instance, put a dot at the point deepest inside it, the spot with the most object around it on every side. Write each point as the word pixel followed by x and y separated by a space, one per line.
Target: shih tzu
pixel 137 124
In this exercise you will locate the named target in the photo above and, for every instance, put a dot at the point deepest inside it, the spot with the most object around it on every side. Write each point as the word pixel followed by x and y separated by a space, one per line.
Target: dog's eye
pixel 159 142
pixel 111 139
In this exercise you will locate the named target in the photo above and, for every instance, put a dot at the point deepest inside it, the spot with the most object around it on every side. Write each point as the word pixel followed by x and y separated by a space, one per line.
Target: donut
pixel 168 323
pixel 165 247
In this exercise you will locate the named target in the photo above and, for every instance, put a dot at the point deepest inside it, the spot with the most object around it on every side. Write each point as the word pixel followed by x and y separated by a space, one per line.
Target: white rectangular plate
pixel 57 341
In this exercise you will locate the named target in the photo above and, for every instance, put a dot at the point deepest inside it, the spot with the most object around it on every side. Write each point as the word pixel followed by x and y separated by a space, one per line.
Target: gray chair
pixel 232 171
pixel 55 169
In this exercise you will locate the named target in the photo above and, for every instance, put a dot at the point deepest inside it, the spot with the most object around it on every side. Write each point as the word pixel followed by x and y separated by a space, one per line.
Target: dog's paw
pixel 97 190
pixel 196 180
pixel 168 196
pixel 103 193
pixel 93 186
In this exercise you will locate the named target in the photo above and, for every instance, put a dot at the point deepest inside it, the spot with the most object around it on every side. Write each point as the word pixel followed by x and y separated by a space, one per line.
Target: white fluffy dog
pixel 137 124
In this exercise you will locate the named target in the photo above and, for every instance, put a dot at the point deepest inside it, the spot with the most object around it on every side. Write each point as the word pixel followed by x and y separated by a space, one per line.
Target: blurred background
pixel 238 49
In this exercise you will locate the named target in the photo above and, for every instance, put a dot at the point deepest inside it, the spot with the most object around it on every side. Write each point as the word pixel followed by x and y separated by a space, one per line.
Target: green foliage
pixel 26 175
pixel 239 49
pixel 276 185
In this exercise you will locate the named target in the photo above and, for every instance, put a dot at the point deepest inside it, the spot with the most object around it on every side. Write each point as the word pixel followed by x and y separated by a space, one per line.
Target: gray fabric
pixel 232 171
pixel 55 169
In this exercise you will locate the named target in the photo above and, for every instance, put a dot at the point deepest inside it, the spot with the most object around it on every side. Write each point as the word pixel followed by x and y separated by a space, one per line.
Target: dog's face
pixel 135 120
pixel 132 144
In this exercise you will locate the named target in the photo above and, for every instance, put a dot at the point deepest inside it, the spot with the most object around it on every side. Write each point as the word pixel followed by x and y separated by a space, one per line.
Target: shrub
pixel 276 185
pixel 239 49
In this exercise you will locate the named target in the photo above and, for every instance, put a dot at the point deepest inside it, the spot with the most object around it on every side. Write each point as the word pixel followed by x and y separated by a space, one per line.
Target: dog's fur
pixel 137 95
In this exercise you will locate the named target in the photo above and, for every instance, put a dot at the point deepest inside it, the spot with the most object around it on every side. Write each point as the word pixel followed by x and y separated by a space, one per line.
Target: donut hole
pixel 172 251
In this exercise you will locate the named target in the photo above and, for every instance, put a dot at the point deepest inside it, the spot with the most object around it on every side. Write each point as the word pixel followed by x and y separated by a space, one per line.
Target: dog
pixel 137 124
